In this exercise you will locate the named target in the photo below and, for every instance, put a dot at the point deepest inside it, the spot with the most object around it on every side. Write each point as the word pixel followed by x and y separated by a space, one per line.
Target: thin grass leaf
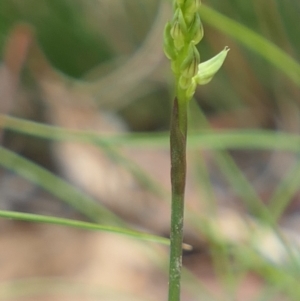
pixel 241 185
pixel 36 218
pixel 204 139
pixel 61 134
pixel 237 179
pixel 285 192
pixel 57 187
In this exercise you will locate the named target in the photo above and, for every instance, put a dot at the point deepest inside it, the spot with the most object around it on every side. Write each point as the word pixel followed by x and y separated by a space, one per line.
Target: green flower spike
pixel 181 36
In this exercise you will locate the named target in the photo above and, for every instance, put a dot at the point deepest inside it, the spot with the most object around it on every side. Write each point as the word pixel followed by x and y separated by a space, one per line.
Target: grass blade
pixel 36 218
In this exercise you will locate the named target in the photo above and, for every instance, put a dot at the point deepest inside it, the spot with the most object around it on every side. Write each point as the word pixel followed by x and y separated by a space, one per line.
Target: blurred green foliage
pixel 61 30
pixel 253 81
pixel 78 36
pixel 69 32
pixel 89 38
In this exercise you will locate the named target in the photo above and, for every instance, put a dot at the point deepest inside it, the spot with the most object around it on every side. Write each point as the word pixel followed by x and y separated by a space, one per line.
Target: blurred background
pixel 86 40
pixel 99 59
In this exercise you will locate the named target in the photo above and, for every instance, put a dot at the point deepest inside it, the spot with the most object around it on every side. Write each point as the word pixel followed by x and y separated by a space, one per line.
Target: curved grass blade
pixel 61 134
pixel 36 218
pixel 285 191
pixel 57 187
pixel 207 139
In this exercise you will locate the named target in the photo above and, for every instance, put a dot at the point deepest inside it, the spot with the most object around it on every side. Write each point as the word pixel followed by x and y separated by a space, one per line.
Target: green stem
pixel 178 135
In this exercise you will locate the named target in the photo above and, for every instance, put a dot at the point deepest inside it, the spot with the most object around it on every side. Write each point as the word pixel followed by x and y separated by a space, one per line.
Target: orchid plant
pixel 181 35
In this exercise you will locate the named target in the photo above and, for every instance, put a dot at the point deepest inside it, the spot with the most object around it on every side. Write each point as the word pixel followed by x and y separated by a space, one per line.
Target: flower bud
pixel 196 32
pixel 169 49
pixel 190 9
pixel 189 66
pixel 178 29
pixel 178 36
pixel 208 69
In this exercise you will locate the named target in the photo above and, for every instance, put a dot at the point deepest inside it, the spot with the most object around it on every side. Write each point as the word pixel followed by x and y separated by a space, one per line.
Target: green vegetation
pixel 249 115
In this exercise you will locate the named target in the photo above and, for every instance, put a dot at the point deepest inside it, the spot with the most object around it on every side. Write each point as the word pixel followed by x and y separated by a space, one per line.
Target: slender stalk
pixel 178 135
pixel 181 35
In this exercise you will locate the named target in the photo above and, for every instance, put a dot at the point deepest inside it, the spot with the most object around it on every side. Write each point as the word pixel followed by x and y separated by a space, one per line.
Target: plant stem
pixel 178 135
